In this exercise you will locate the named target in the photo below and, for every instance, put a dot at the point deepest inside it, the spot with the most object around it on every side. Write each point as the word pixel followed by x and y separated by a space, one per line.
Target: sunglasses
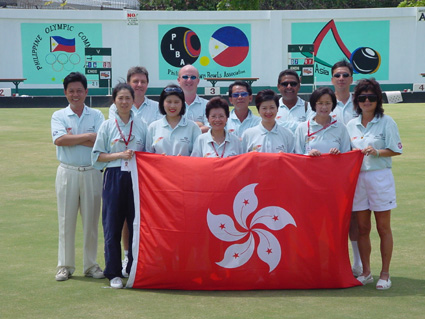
pixel 187 77
pixel 238 94
pixel 292 84
pixel 338 75
pixel 370 97
pixel 173 89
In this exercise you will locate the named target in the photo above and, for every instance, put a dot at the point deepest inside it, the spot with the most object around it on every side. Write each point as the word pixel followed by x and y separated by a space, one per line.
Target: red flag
pixel 253 221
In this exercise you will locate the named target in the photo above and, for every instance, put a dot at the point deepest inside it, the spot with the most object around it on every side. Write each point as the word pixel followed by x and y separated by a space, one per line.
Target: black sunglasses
pixel 338 75
pixel 370 97
pixel 291 83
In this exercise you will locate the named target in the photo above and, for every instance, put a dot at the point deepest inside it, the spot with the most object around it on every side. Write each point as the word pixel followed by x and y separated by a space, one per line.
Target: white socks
pixel 357 262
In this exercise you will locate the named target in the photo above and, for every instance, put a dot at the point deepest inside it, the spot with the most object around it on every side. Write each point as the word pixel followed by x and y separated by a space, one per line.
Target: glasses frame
pixel 240 94
pixel 344 75
pixel 187 77
pixel 292 84
pixel 173 89
pixel 371 97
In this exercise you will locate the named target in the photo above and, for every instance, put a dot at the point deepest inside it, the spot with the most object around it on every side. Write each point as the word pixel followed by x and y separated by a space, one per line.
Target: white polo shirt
pixel 66 121
pixel 205 146
pixel 311 135
pixel 290 118
pixel 380 133
pixel 259 139
pixel 196 110
pixel 109 139
pixel 163 139
pixel 148 111
pixel 235 126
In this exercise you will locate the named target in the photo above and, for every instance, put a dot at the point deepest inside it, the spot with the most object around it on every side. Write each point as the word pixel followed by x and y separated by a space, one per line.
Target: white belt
pixel 77 168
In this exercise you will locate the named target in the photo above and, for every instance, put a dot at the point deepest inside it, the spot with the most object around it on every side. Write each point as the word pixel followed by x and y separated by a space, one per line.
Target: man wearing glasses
pixel 292 109
pixel 342 78
pixel 241 117
pixel 195 106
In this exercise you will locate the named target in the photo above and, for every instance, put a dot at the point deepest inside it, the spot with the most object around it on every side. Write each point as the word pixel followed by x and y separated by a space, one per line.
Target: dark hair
pixel 217 103
pixel 137 70
pixel 288 72
pixel 75 77
pixel 240 83
pixel 342 64
pixel 318 93
pixel 365 85
pixel 266 95
pixel 119 87
pixel 171 89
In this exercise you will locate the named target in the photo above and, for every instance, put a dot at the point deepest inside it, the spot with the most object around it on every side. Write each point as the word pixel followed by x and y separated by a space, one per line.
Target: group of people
pixel 184 124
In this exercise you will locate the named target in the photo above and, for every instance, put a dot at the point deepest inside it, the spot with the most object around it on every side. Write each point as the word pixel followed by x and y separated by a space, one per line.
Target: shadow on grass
pixel 401 287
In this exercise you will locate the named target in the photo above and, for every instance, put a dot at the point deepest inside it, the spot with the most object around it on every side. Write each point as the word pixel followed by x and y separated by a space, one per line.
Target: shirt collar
pixel 234 117
pixel 266 131
pixel 183 121
pixel 70 112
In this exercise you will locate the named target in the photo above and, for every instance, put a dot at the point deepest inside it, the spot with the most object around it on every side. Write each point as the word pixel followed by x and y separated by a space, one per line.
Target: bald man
pixel 195 106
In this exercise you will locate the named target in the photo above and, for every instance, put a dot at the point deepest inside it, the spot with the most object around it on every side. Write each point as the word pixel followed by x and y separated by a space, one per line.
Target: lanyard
pixel 224 149
pixel 122 135
pixel 323 128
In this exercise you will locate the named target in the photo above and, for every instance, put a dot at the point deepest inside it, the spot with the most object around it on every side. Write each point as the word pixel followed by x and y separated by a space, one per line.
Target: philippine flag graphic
pixel 61 44
pixel 229 46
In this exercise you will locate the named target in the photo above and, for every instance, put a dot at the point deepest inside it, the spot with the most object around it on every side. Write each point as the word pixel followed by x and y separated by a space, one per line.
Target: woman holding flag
pixel 115 144
pixel 173 134
pixel 377 136
pixel 217 142
pixel 322 134
pixel 268 136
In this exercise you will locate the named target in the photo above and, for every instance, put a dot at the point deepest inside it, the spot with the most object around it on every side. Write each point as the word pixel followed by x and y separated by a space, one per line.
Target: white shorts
pixel 375 191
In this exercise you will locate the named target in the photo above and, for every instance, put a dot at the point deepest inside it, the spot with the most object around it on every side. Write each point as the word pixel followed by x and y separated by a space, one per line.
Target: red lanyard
pixel 324 127
pixel 224 149
pixel 122 135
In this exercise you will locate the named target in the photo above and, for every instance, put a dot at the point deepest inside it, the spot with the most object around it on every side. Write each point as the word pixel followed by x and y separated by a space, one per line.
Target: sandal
pixel 365 279
pixel 383 284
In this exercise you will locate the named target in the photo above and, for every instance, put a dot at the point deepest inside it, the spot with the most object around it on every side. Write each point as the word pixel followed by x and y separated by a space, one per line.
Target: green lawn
pixel 28 254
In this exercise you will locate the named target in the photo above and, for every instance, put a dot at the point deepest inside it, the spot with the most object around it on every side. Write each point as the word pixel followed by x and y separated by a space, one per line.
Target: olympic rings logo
pixel 62 61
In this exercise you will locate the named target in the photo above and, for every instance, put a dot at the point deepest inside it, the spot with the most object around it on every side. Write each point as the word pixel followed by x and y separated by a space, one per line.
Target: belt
pixel 77 168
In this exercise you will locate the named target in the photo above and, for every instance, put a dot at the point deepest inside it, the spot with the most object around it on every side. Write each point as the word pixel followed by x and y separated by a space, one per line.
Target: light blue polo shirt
pixel 334 136
pixel 259 139
pixel 66 121
pixel 196 110
pixel 290 118
pixel 235 126
pixel 380 133
pixel 344 113
pixel 109 139
pixel 203 146
pixel 148 111
pixel 163 139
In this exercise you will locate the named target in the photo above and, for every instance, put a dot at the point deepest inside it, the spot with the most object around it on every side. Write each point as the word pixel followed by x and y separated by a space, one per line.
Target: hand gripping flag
pixel 253 221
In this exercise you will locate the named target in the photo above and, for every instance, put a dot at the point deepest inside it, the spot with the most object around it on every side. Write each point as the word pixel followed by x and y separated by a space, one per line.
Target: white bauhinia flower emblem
pixel 268 249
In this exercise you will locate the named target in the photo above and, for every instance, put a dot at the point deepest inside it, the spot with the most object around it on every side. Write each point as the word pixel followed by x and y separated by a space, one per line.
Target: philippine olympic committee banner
pixel 253 221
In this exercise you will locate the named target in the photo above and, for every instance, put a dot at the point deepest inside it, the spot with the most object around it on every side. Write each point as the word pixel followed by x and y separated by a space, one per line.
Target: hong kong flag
pixel 253 221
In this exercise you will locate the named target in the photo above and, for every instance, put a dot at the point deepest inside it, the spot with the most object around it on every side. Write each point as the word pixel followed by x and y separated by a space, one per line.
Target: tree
pixel 412 3
pixel 179 5
pixel 213 5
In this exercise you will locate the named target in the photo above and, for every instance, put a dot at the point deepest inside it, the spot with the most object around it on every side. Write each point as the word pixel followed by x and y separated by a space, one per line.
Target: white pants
pixel 78 189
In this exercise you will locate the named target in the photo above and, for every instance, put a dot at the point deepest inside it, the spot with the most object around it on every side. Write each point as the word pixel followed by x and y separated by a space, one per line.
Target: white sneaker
pixel 124 266
pixel 357 270
pixel 95 272
pixel 116 283
pixel 62 274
